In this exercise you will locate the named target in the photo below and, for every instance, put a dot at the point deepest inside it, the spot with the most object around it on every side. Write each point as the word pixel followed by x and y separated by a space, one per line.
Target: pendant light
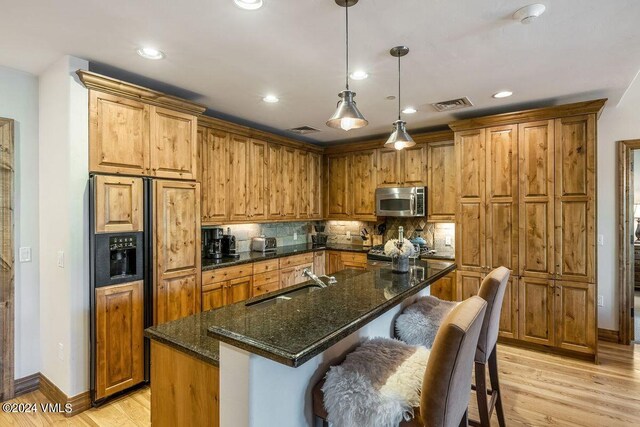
pixel 399 138
pixel 347 116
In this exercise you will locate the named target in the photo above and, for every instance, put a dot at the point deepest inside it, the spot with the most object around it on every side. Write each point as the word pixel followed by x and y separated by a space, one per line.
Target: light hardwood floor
pixel 538 389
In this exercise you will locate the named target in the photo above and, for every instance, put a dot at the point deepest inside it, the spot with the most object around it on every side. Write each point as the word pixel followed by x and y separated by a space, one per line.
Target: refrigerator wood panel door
pixel 118 204
pixel 177 263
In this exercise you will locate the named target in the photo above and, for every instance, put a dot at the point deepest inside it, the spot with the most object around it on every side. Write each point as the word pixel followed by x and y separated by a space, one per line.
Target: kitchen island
pixel 273 348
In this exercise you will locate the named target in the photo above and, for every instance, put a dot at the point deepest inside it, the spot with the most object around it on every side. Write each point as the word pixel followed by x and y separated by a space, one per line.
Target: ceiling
pixel 228 59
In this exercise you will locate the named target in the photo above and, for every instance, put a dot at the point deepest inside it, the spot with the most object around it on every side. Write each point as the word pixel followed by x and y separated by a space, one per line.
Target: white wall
pixel 19 101
pixel 618 122
pixel 64 291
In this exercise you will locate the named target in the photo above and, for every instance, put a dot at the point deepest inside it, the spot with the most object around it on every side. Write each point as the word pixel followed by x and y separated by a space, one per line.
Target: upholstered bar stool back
pixel 492 291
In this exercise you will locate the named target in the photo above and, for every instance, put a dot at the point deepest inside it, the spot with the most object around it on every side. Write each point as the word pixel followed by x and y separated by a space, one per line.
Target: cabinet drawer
pixel 264 266
pixel 264 278
pixel 265 288
pixel 296 260
pixel 228 273
pixel 353 257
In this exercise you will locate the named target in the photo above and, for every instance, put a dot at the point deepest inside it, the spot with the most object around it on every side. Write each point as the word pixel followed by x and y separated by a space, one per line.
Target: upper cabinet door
pixel 414 166
pixel 173 151
pixel 441 181
pixel 118 204
pixel 470 218
pixel 363 169
pixel 118 135
pixel 257 180
pixel 276 190
pixel 536 193
pixel 389 174
pixel 315 182
pixel 214 175
pixel 502 197
pixel 176 249
pixel 305 183
pixel 238 153
pixel 575 209
pixel 290 183
pixel 338 186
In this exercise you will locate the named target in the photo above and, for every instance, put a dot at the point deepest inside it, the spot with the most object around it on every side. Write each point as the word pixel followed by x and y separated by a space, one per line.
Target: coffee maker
pixel 212 243
pixel 229 246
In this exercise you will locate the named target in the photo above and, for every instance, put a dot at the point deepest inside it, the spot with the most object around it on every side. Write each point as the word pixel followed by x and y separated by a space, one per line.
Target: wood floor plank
pixel 538 390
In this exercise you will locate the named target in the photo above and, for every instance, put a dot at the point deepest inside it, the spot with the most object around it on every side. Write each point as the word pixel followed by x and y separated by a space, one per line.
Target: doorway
pixel 6 259
pixel 629 240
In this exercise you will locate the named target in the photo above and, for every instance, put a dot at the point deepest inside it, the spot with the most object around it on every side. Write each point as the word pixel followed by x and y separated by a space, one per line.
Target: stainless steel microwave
pixel 401 201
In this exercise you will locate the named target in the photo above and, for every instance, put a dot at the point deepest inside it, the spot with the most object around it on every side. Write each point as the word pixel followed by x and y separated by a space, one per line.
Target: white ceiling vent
pixel 452 104
pixel 304 130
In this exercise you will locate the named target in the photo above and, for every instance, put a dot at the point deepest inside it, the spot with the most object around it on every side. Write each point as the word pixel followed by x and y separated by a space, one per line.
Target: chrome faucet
pixel 307 272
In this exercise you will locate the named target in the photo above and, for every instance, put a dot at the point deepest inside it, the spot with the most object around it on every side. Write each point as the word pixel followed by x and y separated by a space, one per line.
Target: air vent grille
pixel 304 130
pixel 452 104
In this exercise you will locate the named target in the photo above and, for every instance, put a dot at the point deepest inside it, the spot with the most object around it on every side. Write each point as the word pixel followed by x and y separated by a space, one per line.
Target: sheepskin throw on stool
pixel 419 323
pixel 377 385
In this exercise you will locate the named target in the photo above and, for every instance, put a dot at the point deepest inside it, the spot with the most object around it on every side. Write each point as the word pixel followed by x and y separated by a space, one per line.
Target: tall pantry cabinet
pixel 526 199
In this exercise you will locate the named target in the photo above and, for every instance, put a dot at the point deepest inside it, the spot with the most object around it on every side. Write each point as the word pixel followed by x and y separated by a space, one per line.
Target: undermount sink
pixel 286 296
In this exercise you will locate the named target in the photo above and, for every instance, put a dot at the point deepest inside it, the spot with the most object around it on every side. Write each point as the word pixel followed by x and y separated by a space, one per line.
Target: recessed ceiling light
pixel 409 110
pixel 359 75
pixel 248 4
pixel 150 53
pixel 530 13
pixel 271 99
pixel 503 94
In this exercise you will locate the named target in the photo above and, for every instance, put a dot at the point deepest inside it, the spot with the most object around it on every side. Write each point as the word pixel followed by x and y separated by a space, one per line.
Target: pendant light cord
pixel 399 93
pixel 346 9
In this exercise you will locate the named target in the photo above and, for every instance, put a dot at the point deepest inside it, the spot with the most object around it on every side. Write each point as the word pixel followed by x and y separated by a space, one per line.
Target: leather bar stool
pixel 417 323
pixel 375 386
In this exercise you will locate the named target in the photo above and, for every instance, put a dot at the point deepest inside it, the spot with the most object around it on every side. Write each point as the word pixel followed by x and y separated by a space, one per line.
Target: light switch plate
pixel 348 234
pixel 25 254
pixel 295 236
pixel 600 240
pixel 61 259
pixel 600 301
pixel 447 240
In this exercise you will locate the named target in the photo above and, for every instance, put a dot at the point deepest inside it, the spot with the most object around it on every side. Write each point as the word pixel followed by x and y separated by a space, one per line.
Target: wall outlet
pixel 60 351
pixel 600 240
pixel 25 254
pixel 447 240
pixel 348 234
pixel 295 236
pixel 600 301
pixel 61 259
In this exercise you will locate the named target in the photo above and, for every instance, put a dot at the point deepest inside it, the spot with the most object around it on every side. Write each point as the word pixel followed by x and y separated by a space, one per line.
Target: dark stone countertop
pixel 293 331
pixel 448 256
pixel 284 251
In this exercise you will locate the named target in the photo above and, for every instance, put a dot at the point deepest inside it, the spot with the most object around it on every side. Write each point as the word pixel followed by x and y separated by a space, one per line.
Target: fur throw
pixel 377 385
pixel 419 323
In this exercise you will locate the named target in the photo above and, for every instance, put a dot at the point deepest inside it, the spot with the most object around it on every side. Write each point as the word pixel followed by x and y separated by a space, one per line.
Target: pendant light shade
pixel 399 138
pixel 347 115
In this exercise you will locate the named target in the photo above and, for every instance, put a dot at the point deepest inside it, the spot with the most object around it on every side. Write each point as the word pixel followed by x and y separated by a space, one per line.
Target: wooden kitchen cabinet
pixel 177 248
pixel 338 191
pixel 238 170
pixel 319 261
pixel 362 189
pixel 441 181
pixel 119 134
pixel 575 316
pixel 303 162
pixel 257 180
pixel 282 183
pixel 291 276
pixel 389 174
pixel 333 263
pixel 226 286
pixel 413 162
pixel 445 288
pixel 340 260
pixel 536 315
pixel 214 295
pixel 214 175
pixel 118 204
pixel 174 146
pixel 119 319
pixel 239 289
pixel 509 312
pixel 315 185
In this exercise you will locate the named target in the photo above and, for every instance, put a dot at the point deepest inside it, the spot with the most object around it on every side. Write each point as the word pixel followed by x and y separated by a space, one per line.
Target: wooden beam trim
pixel 26 384
pixel 79 403
pixel 113 86
pixel 608 335
pixel 420 138
pixel 555 112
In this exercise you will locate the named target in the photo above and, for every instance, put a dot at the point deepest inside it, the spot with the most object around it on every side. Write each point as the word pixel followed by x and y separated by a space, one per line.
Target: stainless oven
pixel 401 201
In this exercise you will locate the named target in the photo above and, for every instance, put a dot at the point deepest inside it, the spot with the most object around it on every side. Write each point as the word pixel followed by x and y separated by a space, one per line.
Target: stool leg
pixel 481 394
pixel 464 422
pixel 495 385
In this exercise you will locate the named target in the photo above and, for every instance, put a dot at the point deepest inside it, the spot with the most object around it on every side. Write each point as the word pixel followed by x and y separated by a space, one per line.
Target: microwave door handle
pixel 412 203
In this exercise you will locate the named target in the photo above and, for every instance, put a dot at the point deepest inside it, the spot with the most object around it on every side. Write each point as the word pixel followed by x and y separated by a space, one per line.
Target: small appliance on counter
pixel 264 244
pixel 319 239
pixel 229 245
pixel 212 243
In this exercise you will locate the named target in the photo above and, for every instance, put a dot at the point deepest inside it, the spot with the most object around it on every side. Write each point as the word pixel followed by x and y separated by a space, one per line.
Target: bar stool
pixel 417 323
pixel 376 386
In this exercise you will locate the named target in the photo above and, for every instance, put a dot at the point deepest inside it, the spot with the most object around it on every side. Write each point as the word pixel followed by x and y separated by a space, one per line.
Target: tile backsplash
pixel 283 232
pixel 439 235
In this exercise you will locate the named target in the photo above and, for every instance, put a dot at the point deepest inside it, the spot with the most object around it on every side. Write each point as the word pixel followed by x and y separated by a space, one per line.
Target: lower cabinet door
pixel 239 289
pixel 119 318
pixel 288 277
pixel 333 262
pixel 536 310
pixel 319 261
pixel 575 316
pixel 213 295
pixel 177 297
pixel 468 284
pixel 444 288
pixel 509 312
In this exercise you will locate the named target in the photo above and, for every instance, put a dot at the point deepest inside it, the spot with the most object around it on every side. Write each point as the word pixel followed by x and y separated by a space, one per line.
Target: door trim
pixel 625 229
pixel 7 263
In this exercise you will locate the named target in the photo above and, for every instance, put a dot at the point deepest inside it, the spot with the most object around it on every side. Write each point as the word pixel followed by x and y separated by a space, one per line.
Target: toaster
pixel 263 244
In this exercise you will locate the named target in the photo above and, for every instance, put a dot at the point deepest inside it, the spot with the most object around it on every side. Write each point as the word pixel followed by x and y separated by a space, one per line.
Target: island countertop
pixel 293 331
